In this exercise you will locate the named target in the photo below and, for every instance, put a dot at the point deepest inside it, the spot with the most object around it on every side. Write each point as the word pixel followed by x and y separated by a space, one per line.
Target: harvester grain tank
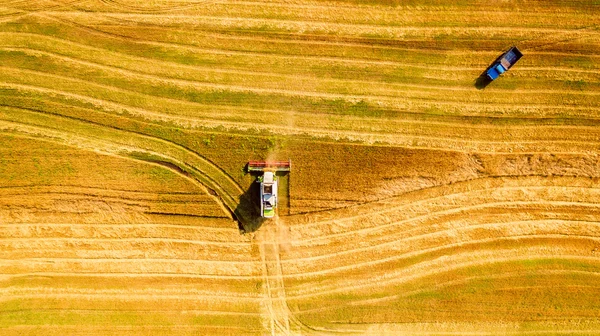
pixel 503 63
pixel 268 183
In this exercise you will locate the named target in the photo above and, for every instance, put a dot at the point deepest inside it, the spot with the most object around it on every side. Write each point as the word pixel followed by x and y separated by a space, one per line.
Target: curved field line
pixel 203 170
pixel 208 165
pixel 431 267
pixel 107 148
pixel 449 247
pixel 449 283
pixel 378 208
pixel 442 233
pixel 439 213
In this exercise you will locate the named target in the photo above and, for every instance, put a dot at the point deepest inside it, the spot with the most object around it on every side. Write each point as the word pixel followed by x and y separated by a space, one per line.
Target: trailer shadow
pixel 482 81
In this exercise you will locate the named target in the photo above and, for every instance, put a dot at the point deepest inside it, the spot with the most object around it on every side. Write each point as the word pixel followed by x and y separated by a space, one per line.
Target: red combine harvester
pixel 268 183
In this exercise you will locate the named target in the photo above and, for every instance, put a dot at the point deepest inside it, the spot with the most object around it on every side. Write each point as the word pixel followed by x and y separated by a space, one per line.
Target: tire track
pixel 279 319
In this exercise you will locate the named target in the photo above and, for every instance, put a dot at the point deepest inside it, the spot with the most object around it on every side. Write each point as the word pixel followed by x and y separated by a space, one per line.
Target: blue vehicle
pixel 503 63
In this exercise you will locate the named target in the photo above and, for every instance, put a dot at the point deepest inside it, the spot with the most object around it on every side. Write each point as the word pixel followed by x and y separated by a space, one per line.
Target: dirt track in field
pixel 419 203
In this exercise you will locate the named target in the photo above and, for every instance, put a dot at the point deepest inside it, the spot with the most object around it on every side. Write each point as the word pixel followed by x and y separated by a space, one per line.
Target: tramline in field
pixel 268 183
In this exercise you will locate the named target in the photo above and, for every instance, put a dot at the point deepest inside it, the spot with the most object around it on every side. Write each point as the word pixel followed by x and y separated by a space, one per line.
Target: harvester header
pixel 277 166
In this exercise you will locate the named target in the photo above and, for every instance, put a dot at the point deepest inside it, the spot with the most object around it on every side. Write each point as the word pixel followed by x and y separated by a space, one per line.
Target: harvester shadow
pixel 248 211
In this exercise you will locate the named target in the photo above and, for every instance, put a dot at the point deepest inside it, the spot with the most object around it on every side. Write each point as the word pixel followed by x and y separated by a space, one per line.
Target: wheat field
pixel 419 201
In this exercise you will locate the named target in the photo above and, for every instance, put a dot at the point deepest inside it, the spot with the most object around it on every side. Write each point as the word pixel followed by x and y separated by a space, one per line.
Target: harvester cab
pixel 268 183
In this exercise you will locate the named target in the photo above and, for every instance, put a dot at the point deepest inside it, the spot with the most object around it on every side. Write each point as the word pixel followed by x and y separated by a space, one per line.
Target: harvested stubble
pixel 420 203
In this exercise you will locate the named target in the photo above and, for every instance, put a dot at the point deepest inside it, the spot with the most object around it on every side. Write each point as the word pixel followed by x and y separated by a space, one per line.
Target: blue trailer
pixel 503 63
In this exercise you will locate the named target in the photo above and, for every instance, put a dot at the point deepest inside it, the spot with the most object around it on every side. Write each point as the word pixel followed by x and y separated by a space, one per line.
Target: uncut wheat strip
pixel 116 275
pixel 118 145
pixel 370 279
pixel 384 217
pixel 148 204
pixel 205 235
pixel 147 330
pixel 132 266
pixel 100 248
pixel 147 292
pixel 535 146
pixel 90 203
pixel 207 300
pixel 437 195
pixel 96 191
pixel 218 286
pixel 437 241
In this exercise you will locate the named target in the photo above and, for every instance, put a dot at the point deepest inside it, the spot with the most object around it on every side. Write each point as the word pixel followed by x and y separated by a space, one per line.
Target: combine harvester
pixel 268 183
pixel 503 63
